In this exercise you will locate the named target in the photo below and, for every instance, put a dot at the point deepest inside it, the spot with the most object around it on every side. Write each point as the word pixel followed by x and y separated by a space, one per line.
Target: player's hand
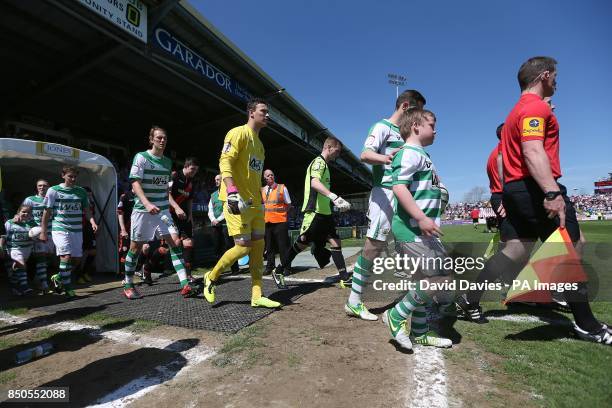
pixel 214 223
pixel 43 236
pixel 151 209
pixel 501 210
pixel 123 234
pixel 556 208
pixel 391 155
pixel 180 213
pixel 429 228
pixel 235 203
pixel 94 227
pixel 341 204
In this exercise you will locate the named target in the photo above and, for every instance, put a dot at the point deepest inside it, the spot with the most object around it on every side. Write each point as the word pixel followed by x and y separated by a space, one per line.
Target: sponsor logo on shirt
pixel 159 180
pixel 533 127
pixel 255 164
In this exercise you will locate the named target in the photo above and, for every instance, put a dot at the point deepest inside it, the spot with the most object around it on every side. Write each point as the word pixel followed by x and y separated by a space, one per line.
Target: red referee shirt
pixel 530 119
pixel 494 180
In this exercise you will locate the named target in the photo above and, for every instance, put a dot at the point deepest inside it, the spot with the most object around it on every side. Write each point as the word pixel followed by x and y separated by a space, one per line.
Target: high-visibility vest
pixel 274 204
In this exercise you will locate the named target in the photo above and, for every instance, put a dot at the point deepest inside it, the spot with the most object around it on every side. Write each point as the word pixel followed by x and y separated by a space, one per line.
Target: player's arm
pixel 48 202
pixel 137 174
pixel 120 215
pixel 427 226
pixel 371 157
pixel 89 215
pixel 139 192
pixel 177 208
pixel 234 143
pixel 316 185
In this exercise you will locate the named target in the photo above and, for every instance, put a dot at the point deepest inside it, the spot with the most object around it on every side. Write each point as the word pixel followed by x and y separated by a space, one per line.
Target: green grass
pixel 16 311
pixel 540 360
pixel 7 377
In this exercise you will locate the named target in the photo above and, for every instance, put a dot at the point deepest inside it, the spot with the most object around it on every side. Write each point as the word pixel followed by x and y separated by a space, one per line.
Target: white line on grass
pixel 146 383
pixel 430 379
pixel 531 319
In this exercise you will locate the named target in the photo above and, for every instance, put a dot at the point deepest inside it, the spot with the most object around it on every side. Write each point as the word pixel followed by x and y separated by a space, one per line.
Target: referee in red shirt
pixel 536 203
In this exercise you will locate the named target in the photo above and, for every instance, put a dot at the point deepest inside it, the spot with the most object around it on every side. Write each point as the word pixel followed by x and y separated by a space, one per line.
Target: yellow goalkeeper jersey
pixel 242 158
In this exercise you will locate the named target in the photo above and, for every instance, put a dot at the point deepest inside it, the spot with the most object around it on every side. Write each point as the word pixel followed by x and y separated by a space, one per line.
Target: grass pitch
pixel 545 360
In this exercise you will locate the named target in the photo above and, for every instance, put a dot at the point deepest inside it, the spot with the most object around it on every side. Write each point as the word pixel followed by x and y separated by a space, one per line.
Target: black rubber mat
pixel 162 303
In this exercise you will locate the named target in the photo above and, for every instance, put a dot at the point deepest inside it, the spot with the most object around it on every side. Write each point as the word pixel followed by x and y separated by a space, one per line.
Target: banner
pixel 129 15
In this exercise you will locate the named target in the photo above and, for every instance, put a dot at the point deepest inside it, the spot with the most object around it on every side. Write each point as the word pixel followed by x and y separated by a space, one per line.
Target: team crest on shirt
pixel 533 126
pixel 226 147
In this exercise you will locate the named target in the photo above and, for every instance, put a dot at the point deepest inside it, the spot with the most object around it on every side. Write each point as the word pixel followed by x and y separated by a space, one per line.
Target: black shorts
pixel 318 227
pixel 475 220
pixel 525 214
pixel 89 238
pixel 185 227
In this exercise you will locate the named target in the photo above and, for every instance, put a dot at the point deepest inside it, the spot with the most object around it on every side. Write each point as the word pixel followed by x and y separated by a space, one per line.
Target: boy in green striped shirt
pixel 67 203
pixel 416 227
pixel 151 219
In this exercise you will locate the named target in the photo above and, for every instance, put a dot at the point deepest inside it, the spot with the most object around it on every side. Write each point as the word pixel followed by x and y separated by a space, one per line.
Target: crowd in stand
pixel 592 204
pixel 585 205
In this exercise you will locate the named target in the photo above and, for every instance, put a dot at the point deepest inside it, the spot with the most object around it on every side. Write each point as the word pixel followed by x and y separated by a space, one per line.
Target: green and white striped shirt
pixel 38 206
pixel 68 204
pixel 413 167
pixel 383 138
pixel 154 175
pixel 17 234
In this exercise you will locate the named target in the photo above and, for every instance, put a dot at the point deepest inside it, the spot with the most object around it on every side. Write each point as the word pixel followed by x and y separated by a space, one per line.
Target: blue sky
pixel 334 56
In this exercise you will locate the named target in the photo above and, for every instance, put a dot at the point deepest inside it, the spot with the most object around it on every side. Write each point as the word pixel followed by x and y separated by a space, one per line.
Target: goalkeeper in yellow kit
pixel 241 165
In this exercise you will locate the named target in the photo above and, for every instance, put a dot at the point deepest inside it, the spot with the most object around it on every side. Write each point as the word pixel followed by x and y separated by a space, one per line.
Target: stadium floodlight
pixel 271 95
pixel 397 80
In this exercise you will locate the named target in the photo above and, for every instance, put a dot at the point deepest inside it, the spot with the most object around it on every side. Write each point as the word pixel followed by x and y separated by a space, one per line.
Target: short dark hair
pixel 191 161
pixel 412 97
pixel 252 104
pixel 498 130
pixel 532 68
pixel 69 169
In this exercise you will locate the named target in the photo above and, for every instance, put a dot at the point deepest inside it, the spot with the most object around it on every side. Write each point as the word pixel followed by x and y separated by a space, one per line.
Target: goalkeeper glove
pixel 341 204
pixel 235 203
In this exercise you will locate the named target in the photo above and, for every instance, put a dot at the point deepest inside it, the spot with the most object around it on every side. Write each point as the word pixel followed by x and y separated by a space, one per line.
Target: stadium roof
pixel 109 74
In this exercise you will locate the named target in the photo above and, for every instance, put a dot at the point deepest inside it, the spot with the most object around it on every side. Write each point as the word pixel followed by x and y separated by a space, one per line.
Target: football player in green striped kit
pixel 416 228
pixel 151 219
pixel 43 251
pixel 382 143
pixel 67 203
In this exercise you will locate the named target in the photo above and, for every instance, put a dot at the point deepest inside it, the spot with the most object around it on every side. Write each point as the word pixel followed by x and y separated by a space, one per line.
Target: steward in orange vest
pixel 276 200
pixel 276 208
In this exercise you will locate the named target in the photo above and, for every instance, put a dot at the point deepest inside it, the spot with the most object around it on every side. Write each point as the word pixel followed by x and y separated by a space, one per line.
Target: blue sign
pixel 167 42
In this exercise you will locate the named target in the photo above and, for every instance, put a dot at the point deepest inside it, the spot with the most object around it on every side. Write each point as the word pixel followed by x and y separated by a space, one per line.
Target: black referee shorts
pixel 525 214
